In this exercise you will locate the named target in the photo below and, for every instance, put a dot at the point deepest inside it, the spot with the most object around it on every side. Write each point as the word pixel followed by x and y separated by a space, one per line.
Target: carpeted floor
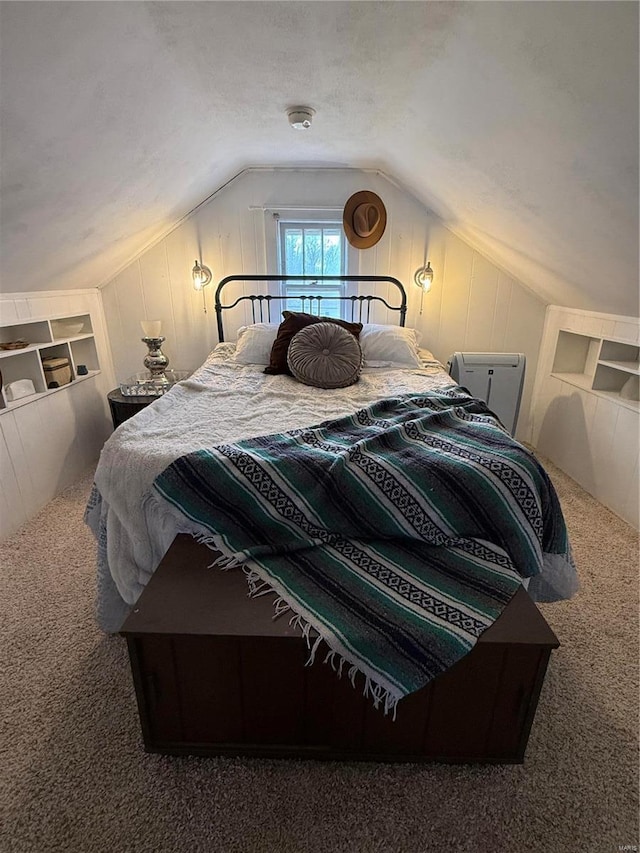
pixel 74 778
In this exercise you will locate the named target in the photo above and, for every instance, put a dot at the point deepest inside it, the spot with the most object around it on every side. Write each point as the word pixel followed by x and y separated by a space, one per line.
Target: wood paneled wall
pixel 48 443
pixel 473 305
pixel 594 439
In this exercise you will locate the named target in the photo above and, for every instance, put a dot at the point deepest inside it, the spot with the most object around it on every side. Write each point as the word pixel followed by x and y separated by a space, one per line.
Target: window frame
pixel 307 217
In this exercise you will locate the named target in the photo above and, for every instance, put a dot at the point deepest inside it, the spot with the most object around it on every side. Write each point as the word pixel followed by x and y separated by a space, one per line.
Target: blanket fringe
pixel 206 539
pixel 224 561
pixel 313 649
pixel 381 697
pixel 228 562
pixel 257 586
pixel 281 606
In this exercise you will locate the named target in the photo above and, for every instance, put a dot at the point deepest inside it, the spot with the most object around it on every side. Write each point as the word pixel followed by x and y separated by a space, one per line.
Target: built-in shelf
pixel 624 366
pixel 23 401
pixel 10 353
pixel 68 337
pixel 580 380
pixel 582 418
pixel 600 365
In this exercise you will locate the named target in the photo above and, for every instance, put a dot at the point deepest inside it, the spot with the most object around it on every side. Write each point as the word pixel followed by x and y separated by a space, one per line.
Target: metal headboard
pixel 261 303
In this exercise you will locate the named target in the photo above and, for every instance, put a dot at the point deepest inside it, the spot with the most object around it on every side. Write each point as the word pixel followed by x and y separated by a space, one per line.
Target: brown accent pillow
pixel 325 355
pixel 293 322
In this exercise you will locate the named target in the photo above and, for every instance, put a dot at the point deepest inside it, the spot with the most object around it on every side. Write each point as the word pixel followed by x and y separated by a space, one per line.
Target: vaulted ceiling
pixel 515 122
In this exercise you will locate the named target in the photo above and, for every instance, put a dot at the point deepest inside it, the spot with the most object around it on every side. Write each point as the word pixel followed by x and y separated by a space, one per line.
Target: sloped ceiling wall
pixel 515 122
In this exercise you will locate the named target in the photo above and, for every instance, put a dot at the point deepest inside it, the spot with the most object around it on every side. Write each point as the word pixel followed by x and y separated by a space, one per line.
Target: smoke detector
pixel 300 118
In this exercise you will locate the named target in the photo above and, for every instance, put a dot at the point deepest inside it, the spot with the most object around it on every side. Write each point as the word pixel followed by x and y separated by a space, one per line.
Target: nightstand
pixel 124 407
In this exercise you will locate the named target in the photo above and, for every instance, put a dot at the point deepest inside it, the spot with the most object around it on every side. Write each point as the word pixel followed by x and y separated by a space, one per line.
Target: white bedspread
pixel 221 402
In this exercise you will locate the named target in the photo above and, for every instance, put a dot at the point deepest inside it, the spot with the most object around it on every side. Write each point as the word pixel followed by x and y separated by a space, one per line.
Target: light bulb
pixel 424 277
pixel 201 276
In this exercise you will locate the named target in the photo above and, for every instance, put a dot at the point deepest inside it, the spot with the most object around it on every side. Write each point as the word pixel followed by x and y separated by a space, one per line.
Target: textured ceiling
pixel 515 122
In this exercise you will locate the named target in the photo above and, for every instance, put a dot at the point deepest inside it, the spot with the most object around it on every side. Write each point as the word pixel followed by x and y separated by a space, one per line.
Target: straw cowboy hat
pixel 364 219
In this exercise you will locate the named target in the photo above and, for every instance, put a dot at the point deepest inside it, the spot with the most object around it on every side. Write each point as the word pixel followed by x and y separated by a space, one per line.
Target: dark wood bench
pixel 215 674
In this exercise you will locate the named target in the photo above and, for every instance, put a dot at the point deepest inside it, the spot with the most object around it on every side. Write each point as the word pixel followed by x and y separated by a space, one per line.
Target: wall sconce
pixel 424 277
pixel 201 277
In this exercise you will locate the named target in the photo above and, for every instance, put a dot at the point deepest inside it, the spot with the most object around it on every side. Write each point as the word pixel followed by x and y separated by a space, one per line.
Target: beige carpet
pixel 73 776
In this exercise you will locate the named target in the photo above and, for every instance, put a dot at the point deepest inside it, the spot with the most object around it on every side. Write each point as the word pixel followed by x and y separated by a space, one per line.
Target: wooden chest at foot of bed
pixel 215 674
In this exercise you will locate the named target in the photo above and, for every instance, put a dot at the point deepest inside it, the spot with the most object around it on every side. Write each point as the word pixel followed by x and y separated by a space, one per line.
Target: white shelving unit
pixel 56 337
pixel 48 439
pixel 599 365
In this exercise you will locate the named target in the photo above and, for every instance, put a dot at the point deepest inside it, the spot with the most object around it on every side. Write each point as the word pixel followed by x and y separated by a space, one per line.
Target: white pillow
pixel 254 343
pixel 389 346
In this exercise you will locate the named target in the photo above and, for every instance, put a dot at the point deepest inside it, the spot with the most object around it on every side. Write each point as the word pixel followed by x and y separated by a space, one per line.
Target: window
pixel 312 248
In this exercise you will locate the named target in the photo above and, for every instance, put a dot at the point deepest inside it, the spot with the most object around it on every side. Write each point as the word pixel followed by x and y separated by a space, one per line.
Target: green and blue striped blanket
pixel 398 534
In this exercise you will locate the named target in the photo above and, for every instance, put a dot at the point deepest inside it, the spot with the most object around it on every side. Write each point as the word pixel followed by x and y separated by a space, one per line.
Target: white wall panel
pixel 8 313
pixel 544 395
pixel 190 337
pixel 13 512
pixel 23 308
pixel 631 508
pixel 627 331
pixel 501 313
pixel 429 322
pixel 455 298
pixel 481 306
pixel 157 299
pixel 20 456
pixel 592 325
pixel 50 306
pixel 119 347
pixel 601 432
pixel 608 329
pixel 623 462
pixel 551 438
pixel 522 333
pixel 584 462
pixel 49 442
pixel 131 310
pixel 467 308
pixel 571 406
pixel 594 438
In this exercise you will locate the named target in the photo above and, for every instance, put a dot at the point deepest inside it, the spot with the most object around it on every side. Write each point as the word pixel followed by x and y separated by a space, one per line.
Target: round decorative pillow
pixel 325 355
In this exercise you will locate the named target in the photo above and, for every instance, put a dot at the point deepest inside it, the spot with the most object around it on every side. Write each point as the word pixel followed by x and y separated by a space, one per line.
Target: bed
pixel 230 402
